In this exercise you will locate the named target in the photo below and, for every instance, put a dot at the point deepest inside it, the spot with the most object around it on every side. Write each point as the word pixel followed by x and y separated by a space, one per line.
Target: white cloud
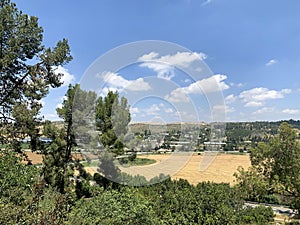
pixel 67 78
pixel 257 96
pixel 253 104
pixel 263 110
pixel 134 110
pixel 212 84
pixel 169 110
pixel 237 84
pixel 271 62
pixel 51 117
pixel 222 108
pixel 59 105
pixel 166 74
pixel 164 65
pixel 153 110
pixel 117 81
pixel 291 111
pixel 230 99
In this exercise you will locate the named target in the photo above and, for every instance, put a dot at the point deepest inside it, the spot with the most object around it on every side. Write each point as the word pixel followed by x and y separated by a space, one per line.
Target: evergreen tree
pixel 112 119
pixel 27 71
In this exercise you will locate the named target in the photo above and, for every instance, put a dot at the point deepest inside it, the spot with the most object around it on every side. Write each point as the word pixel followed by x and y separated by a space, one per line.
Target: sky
pixel 206 57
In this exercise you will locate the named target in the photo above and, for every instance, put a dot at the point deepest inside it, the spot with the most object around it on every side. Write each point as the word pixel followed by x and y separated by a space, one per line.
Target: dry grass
pixel 37 158
pixel 221 168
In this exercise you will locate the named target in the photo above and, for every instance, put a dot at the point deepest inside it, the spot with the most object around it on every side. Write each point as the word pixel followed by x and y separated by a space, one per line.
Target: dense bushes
pixel 26 199
pixel 113 207
pixel 258 215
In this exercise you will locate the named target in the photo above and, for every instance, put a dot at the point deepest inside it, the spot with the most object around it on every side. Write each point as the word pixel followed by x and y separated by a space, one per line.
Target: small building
pixel 214 146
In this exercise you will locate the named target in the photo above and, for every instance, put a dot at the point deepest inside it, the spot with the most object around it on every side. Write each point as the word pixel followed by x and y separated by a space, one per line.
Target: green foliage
pixel 112 118
pixel 82 113
pixel 275 168
pixel 57 169
pixel 24 199
pixel 113 207
pixel 258 215
pixel 16 179
pixel 140 162
pixel 27 72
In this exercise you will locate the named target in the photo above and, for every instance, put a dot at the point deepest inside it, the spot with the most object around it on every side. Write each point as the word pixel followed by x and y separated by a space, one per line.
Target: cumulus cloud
pixel 134 110
pixel 51 116
pixel 263 110
pixel 271 62
pixel 153 110
pixel 222 108
pixel 117 81
pixel 257 96
pixel 169 110
pixel 164 65
pixel 230 99
pixel 253 104
pixel 212 84
pixel 66 78
pixel 291 111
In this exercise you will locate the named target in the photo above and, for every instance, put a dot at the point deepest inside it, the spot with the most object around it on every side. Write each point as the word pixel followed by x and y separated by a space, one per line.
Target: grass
pixel 139 162
pixel 136 162
pixel 90 164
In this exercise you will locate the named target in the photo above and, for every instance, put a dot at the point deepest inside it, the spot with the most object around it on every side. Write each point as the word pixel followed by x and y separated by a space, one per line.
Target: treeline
pixel 25 198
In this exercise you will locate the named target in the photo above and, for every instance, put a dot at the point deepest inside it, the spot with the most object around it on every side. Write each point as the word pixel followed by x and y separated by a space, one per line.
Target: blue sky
pixel 251 47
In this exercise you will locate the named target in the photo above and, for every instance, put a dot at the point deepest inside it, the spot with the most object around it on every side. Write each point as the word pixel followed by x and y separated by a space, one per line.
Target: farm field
pixel 221 168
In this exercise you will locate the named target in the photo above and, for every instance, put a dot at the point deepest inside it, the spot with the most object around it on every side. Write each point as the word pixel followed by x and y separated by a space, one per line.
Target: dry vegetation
pixel 220 170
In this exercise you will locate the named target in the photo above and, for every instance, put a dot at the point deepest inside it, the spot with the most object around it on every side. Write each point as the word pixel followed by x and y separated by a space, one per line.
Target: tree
pixel 275 167
pixel 112 118
pixel 57 168
pixel 27 71
pixel 114 207
pixel 65 112
pixel 83 118
pixel 58 162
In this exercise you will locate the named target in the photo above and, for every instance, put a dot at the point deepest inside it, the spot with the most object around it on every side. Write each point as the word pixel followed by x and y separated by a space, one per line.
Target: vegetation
pixel 27 72
pixel 112 118
pixel 138 162
pixel 275 169
pixel 62 192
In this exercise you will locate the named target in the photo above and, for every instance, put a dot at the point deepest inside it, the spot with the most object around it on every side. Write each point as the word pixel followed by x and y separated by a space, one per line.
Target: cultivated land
pixel 221 168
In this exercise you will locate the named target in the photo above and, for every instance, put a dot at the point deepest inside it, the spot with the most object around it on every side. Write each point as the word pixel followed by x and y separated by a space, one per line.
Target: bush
pixel 113 207
pixel 259 215
pixel 271 199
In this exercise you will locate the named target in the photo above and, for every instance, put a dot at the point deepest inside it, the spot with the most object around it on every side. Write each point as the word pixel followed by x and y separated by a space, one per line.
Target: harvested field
pixel 221 168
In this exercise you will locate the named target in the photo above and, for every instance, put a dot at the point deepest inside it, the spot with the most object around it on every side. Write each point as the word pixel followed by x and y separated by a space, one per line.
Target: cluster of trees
pixel 25 198
pixel 274 173
pixel 261 131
